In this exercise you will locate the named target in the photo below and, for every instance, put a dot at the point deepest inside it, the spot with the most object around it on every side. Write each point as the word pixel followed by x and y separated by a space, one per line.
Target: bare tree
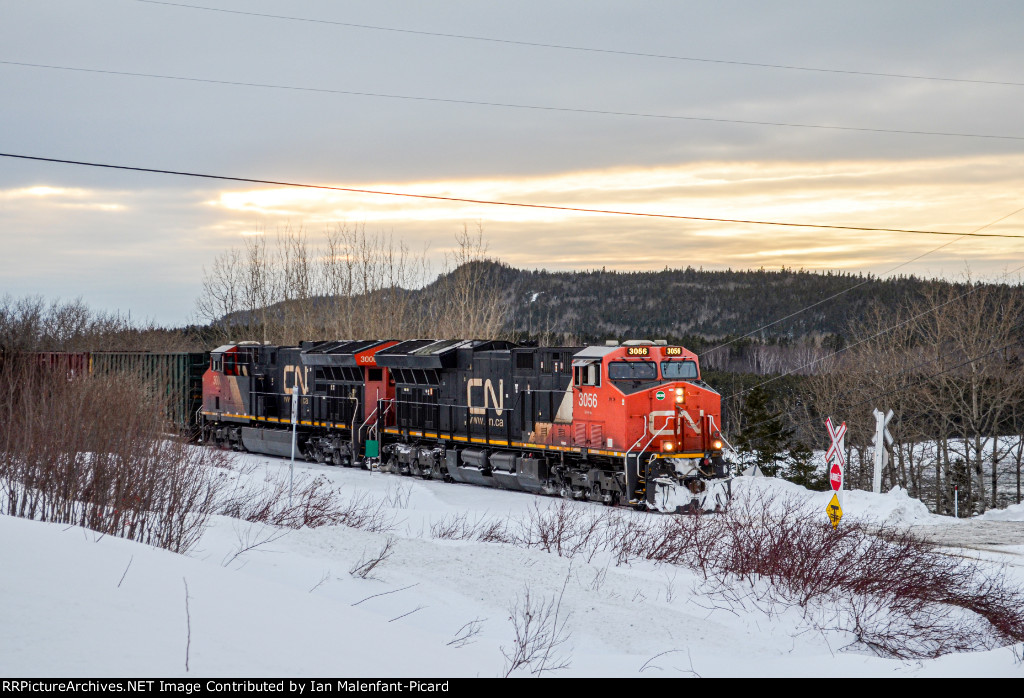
pixel 470 301
pixel 972 335
pixel 354 285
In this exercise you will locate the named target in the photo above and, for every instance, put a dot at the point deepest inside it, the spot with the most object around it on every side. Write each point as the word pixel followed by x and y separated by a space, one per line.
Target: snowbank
pixel 1010 513
pixel 895 507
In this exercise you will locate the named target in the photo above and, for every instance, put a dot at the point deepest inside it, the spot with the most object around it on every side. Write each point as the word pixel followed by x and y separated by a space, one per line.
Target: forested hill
pixel 698 304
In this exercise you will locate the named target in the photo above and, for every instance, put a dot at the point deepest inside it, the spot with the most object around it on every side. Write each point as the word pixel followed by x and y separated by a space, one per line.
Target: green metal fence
pixel 176 378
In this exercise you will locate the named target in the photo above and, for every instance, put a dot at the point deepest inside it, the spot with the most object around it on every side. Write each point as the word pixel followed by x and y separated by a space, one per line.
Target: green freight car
pixel 175 377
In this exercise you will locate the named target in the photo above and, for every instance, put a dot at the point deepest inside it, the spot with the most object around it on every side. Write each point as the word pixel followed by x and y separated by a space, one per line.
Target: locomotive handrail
pixel 367 420
pixel 326 398
pixel 375 427
pixel 635 443
pixel 711 418
pixel 355 410
pixel 668 420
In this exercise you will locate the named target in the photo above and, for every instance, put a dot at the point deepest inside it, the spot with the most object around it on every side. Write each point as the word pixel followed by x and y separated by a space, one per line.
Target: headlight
pixel 717 445
pixel 667 445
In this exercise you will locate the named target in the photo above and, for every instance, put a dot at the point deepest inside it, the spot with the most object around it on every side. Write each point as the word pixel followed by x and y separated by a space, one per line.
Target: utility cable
pixel 587 49
pixel 971 290
pixel 548 207
pixel 510 105
pixel 854 287
pixel 911 383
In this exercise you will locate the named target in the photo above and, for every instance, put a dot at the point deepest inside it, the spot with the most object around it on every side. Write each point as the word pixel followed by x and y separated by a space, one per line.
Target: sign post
pixel 295 422
pixel 882 438
pixel 835 461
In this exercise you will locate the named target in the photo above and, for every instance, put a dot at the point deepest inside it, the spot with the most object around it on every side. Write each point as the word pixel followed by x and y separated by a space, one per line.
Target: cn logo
pixel 296 376
pixel 491 399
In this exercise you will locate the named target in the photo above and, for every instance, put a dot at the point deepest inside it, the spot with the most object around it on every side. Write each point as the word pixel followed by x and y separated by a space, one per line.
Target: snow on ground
pixel 1010 513
pixel 74 603
pixel 895 507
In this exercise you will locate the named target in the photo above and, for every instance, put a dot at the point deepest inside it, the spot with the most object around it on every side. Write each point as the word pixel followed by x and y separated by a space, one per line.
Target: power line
pixel 487 202
pixel 510 105
pixel 854 287
pixel 587 49
pixel 918 379
pixel 868 339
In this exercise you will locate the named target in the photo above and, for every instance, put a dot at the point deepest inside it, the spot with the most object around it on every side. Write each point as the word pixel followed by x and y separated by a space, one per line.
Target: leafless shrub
pixel 92 451
pixel 407 613
pixel 450 528
pixel 251 538
pixel 313 503
pixel 892 591
pixel 691 541
pixel 494 531
pixel 600 575
pixel 383 593
pixel 121 581
pixel 483 530
pixel 323 580
pixel 564 529
pixel 540 634
pixel 466 635
pixel 368 562
pixel 398 496
pixel 670 586
pixel 647 665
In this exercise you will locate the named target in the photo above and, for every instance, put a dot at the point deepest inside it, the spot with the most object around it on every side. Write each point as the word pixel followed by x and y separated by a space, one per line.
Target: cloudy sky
pixel 675 143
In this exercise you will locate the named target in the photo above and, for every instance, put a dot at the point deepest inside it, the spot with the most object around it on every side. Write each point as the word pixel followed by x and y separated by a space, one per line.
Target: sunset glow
pixel 943 195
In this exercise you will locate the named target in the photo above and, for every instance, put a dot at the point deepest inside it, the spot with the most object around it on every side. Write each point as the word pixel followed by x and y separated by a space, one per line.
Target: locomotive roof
pixel 433 353
pixel 339 353
pixel 593 353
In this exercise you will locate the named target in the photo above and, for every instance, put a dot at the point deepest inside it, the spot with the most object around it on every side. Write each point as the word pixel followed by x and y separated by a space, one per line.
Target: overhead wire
pixel 932 309
pixel 854 287
pixel 586 49
pixel 509 105
pixel 548 207
pixel 915 380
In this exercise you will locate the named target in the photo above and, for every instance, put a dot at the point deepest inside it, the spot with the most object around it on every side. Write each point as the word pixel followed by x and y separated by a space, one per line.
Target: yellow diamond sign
pixel 834 511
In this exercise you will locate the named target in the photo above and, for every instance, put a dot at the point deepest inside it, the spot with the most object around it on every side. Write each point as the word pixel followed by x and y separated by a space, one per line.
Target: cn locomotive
pixel 622 424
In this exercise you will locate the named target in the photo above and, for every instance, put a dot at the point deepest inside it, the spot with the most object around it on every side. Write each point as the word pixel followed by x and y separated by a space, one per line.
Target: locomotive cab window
pixel 633 371
pixel 671 370
pixel 587 374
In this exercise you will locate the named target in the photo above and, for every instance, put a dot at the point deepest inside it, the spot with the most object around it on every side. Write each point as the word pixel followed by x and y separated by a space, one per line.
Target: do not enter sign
pixel 835 477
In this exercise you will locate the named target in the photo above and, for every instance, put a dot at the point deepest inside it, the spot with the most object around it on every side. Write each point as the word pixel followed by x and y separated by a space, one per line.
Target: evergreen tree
pixel 801 470
pixel 765 438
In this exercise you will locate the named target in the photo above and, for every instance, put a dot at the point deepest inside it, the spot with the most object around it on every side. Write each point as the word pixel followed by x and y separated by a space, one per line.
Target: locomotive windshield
pixel 633 371
pixel 671 370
